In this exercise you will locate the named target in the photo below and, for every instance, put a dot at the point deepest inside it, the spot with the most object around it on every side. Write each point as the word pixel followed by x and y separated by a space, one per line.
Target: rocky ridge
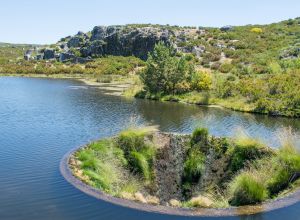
pixel 127 40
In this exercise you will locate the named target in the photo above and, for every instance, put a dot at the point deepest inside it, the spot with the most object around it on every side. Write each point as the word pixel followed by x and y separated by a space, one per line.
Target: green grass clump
pixel 200 135
pixel 102 163
pixel 252 172
pixel 102 177
pixel 246 150
pixel 247 189
pixel 88 159
pixel 139 154
pixel 194 165
pixel 266 178
pixel 286 163
pixel 133 139
pixel 139 164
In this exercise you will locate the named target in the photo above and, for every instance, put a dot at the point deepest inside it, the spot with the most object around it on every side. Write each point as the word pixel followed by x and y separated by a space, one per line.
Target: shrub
pixel 201 80
pixel 257 30
pixel 247 189
pixel 226 67
pixel 274 68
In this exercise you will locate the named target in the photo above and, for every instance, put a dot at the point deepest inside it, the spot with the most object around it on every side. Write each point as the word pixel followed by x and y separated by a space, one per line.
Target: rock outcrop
pixel 49 54
pixel 127 40
pixel 122 41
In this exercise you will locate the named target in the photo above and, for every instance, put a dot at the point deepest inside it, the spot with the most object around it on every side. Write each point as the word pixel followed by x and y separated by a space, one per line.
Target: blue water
pixel 42 119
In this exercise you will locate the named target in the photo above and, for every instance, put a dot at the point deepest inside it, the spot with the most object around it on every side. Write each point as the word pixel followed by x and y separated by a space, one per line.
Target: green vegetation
pixel 111 65
pixel 9 53
pixel 112 164
pixel 272 93
pixel 216 172
pixel 247 189
pixel 266 178
pixel 259 71
pixel 245 150
pixel 194 165
pixel 102 163
pixel 165 73
pixel 284 166
pixel 140 155
pixel 247 68
pixel 199 135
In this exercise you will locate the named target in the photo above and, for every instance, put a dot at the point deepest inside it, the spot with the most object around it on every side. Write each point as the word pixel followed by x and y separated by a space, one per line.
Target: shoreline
pixel 118 88
pixel 278 203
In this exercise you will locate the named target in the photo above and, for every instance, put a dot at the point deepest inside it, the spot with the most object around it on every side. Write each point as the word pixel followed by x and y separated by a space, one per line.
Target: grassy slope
pixel 251 77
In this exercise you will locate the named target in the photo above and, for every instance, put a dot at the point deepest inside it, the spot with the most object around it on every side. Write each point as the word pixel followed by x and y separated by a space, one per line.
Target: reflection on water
pixel 183 118
pixel 42 119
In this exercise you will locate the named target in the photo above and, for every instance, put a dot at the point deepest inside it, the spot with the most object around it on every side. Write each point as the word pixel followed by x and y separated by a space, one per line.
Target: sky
pixel 46 21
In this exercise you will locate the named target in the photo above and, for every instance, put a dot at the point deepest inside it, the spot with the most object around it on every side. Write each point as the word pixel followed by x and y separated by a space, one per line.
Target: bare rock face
pixel 292 52
pixel 126 40
pixel 49 54
pixel 123 41
pixel 227 28
pixel 99 33
pixel 75 41
pixel 169 167
pixel 66 56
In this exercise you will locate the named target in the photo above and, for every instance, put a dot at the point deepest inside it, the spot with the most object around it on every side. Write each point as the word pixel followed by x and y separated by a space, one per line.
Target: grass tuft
pixel 246 189
pixel 194 165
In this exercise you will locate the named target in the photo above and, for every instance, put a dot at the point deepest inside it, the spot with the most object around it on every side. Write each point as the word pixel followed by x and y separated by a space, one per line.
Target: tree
pixel 165 73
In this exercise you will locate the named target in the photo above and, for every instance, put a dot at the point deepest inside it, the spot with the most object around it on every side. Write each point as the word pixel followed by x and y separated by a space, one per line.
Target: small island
pixel 188 172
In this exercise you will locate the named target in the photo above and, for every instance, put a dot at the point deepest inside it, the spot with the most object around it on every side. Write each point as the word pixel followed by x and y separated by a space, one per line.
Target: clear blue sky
pixel 41 21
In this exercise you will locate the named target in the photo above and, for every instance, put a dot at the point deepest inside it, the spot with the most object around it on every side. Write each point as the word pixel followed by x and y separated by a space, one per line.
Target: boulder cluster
pixel 127 40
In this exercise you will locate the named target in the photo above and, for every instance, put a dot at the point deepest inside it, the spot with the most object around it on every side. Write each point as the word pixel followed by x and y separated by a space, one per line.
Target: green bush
pixel 226 67
pixel 247 189
pixel 201 81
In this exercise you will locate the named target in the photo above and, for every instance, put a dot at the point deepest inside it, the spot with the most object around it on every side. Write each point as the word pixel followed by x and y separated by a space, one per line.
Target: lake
pixel 42 119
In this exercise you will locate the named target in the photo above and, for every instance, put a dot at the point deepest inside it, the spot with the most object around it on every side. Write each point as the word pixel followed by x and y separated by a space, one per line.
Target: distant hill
pixel 240 45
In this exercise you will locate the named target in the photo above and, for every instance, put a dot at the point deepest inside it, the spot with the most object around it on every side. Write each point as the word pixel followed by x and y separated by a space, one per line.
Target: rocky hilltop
pixel 209 45
pixel 128 40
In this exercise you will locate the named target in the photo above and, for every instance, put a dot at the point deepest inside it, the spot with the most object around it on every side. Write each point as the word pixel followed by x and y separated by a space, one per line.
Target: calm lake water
pixel 42 119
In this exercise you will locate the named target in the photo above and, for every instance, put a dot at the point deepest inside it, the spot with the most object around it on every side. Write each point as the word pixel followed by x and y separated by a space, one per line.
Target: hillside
pixel 251 68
